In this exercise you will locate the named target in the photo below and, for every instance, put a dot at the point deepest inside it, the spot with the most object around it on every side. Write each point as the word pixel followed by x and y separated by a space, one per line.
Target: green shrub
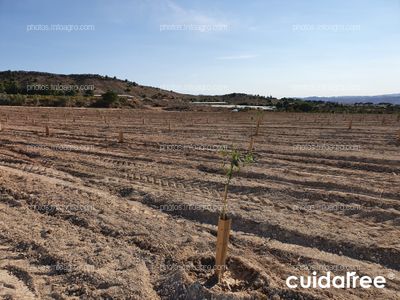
pixel 108 99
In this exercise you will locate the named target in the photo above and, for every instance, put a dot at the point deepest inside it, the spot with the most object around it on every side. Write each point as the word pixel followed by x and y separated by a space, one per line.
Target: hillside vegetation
pixel 82 90
pixel 23 88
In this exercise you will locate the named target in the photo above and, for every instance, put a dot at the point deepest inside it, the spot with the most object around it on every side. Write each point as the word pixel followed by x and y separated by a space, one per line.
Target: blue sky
pixel 271 47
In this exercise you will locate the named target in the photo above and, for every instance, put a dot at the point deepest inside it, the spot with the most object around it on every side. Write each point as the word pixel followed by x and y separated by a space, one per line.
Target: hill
pixel 389 98
pixel 81 89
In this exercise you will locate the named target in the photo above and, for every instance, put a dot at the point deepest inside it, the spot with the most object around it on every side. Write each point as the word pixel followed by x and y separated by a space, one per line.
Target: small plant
pixel 236 159
pixel 233 161
pixel 259 120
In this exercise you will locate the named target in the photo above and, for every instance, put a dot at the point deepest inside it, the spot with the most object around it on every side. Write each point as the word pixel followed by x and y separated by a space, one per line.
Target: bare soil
pixel 85 217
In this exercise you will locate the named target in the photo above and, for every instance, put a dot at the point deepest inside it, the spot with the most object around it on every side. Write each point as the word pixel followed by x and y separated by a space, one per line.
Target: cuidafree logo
pixel 350 280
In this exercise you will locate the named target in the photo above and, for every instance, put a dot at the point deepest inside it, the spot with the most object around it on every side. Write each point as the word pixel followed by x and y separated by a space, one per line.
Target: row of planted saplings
pixel 106 121
pixel 384 120
pixel 193 119
pixel 120 134
pixel 47 132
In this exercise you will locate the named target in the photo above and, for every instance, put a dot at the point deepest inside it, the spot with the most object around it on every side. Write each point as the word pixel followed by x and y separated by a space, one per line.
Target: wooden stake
pixel 350 124
pixel 121 137
pixel 259 122
pixel 224 227
pixel 251 144
pixel 47 130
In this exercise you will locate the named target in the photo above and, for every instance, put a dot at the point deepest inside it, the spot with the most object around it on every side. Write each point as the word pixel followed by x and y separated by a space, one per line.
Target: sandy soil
pixel 85 217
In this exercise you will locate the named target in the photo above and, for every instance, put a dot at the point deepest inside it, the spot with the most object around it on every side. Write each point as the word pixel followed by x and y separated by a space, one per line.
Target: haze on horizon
pixel 275 47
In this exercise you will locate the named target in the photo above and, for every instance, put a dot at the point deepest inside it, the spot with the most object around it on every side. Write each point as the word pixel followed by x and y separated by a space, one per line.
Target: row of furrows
pixel 334 161
pixel 42 257
pixel 145 179
pixel 254 192
pixel 271 130
pixel 148 243
pixel 324 181
pixel 202 187
pixel 343 164
pixel 139 243
pixel 316 169
pixel 75 134
pixel 337 125
pixel 354 161
pixel 314 192
pixel 84 219
pixel 332 158
pixel 38 169
pixel 385 256
pixel 261 197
